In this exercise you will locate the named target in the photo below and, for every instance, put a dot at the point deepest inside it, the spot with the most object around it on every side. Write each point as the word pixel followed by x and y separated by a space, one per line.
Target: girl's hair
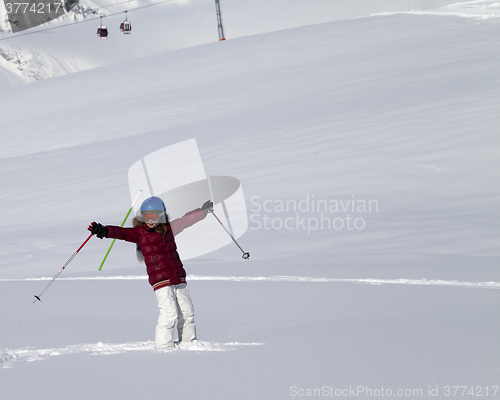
pixel 160 228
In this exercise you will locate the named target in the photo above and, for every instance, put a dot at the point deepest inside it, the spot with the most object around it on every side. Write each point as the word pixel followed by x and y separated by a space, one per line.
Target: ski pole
pixel 61 270
pixel 123 223
pixel 246 256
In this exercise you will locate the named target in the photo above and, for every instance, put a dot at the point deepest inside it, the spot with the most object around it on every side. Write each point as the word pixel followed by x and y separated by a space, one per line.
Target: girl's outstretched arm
pixel 191 218
pixel 127 234
pixel 114 232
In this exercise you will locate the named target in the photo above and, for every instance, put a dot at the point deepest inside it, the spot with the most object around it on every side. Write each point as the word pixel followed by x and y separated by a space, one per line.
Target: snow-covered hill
pixel 69 44
pixel 391 121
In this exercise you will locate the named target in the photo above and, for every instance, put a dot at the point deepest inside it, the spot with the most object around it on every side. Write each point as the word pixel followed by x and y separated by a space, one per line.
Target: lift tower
pixel 219 21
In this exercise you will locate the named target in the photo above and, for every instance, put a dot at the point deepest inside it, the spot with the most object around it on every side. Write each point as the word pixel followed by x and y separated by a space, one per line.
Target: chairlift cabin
pixel 126 27
pixel 102 32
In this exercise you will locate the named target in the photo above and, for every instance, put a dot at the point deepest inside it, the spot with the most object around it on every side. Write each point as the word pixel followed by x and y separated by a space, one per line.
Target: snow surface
pixel 69 44
pixel 400 110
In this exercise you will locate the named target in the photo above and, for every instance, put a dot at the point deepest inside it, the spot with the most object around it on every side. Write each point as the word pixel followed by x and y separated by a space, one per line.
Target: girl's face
pixel 151 218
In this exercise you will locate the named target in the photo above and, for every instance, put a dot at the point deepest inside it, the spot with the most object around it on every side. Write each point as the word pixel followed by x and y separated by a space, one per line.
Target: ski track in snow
pixel 370 281
pixel 27 354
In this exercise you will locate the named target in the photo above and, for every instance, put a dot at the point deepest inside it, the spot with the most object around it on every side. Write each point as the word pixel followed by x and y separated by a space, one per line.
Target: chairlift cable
pixel 115 4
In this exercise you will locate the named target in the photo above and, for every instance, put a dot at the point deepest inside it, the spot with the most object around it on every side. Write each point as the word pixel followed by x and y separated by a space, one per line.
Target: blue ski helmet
pixel 154 205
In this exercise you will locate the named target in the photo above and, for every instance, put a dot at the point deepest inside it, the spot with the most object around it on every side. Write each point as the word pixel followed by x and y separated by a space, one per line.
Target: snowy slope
pixel 69 44
pixel 400 110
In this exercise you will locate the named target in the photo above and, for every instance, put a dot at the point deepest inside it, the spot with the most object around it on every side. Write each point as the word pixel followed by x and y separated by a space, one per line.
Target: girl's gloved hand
pixel 207 207
pixel 98 230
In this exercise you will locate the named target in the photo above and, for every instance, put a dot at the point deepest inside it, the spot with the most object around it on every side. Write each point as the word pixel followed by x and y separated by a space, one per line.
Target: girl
pixel 154 235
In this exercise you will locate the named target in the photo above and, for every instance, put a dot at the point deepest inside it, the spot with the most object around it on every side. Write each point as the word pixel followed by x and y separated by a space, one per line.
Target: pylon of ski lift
pixel 126 26
pixel 219 21
pixel 102 31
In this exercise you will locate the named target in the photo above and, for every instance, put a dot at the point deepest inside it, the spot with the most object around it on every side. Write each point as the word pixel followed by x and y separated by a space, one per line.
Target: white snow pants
pixel 175 304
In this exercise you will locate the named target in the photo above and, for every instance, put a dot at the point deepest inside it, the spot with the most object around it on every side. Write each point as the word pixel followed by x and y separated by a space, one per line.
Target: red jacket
pixel 163 264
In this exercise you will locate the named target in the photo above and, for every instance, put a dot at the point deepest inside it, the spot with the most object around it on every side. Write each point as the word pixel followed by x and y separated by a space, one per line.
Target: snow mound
pixel 478 9
pixel 211 346
pixel 9 357
pixel 371 281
